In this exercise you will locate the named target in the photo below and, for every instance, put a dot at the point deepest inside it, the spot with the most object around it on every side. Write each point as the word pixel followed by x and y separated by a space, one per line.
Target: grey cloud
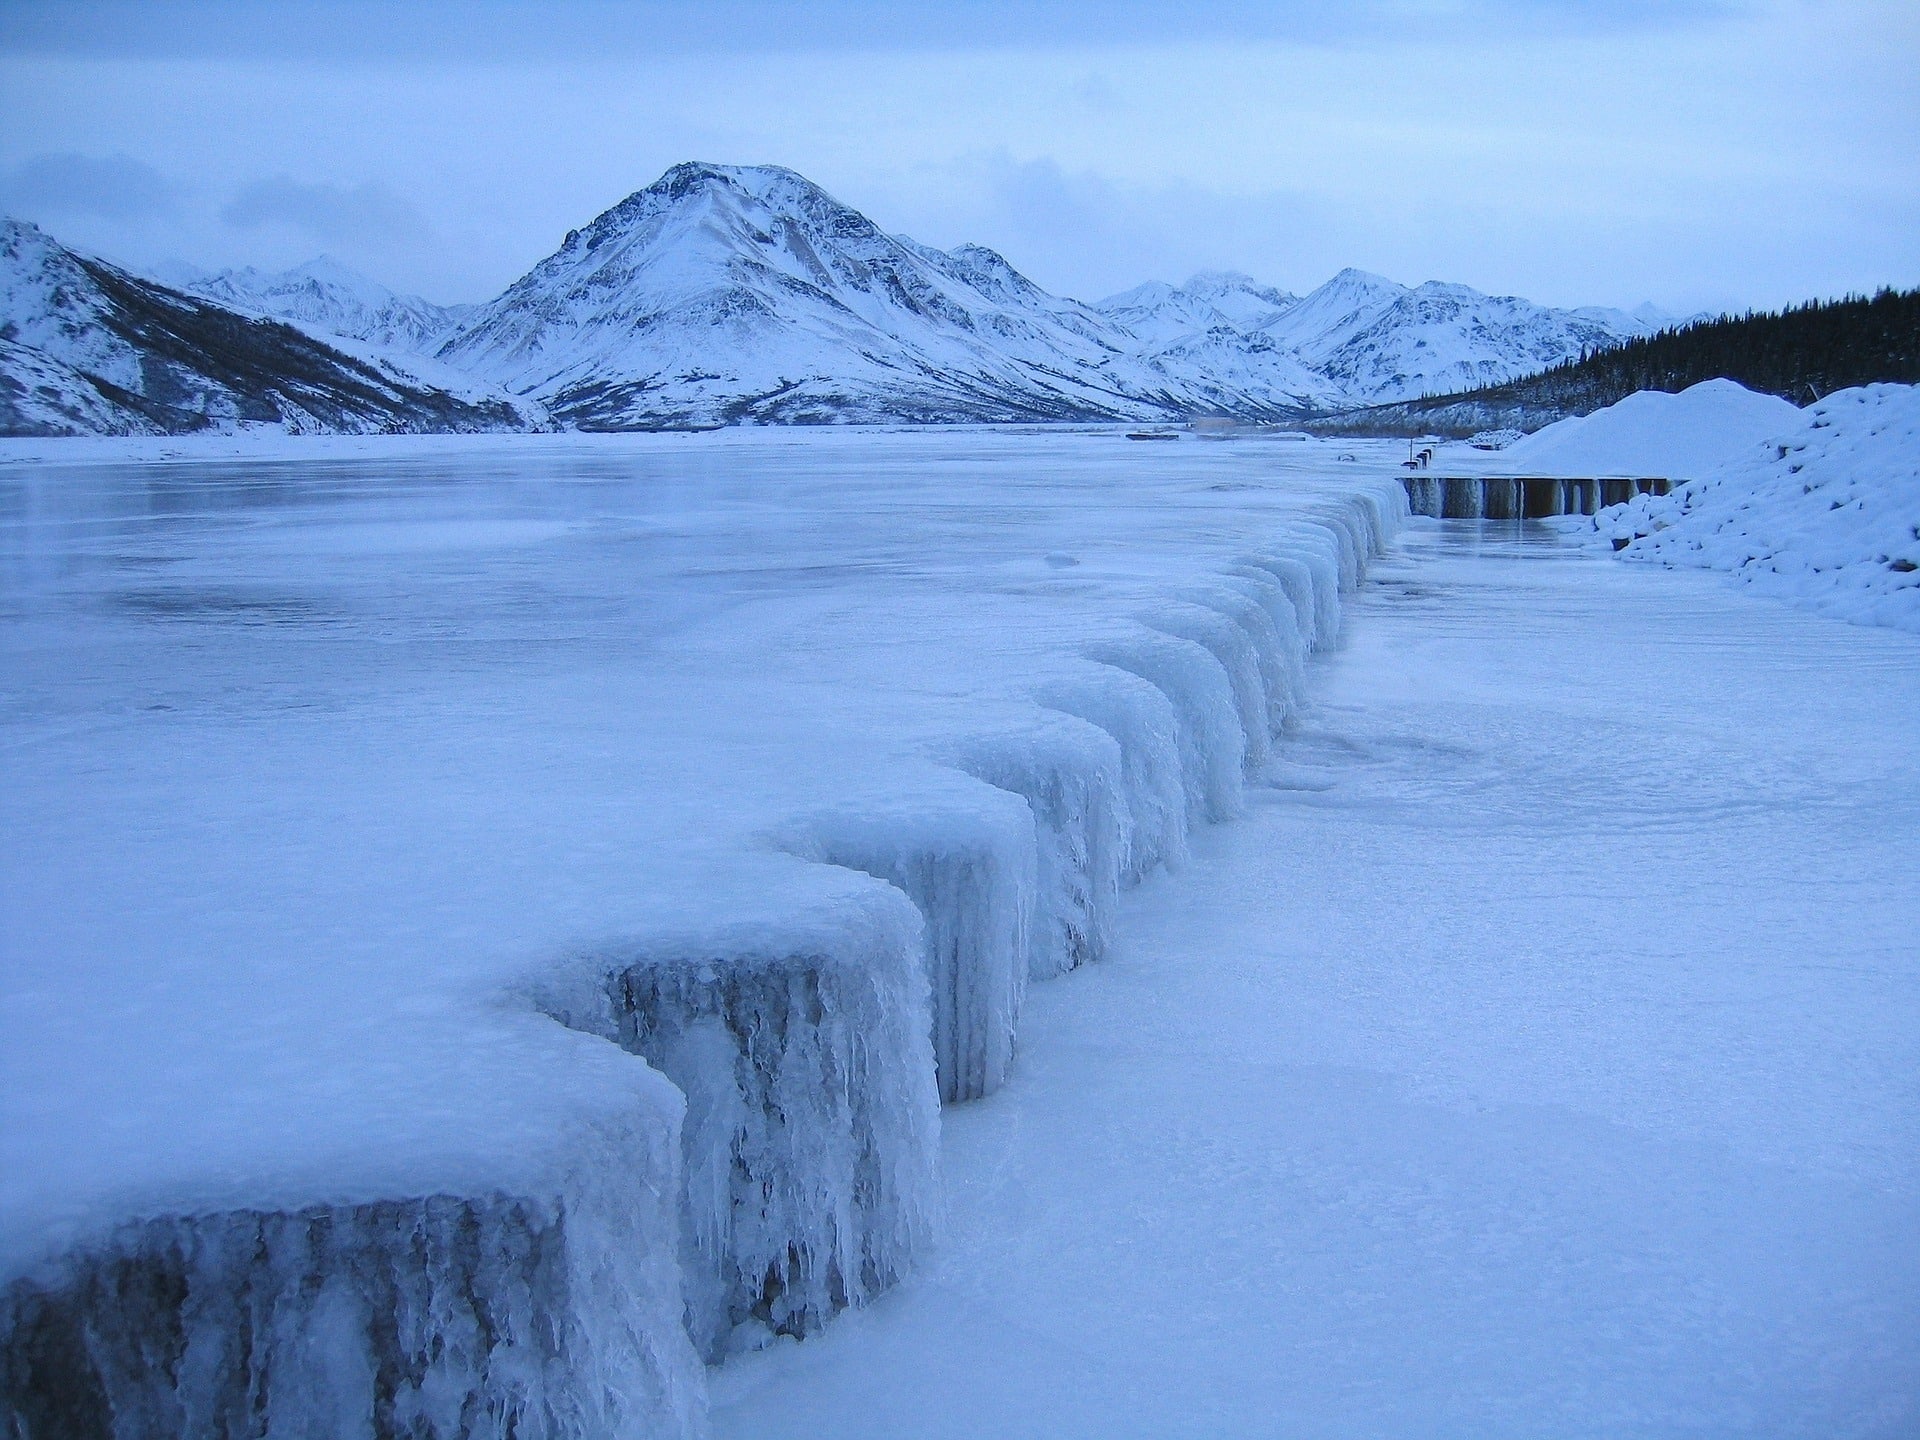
pixel 330 213
pixel 513 29
pixel 115 187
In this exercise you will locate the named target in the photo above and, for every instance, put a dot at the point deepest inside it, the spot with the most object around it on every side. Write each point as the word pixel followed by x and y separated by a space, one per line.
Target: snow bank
pixel 1826 515
pixel 779 859
pixel 1654 433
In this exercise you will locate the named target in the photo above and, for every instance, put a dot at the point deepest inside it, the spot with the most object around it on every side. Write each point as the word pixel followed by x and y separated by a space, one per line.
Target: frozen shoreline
pixel 330 762
pixel 1536 1058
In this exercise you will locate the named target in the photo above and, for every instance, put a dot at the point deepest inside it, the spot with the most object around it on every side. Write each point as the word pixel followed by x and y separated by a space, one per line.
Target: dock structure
pixel 1522 497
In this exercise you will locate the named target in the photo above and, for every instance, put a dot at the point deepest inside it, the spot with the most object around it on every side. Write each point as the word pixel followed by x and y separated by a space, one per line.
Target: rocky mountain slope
pixel 86 348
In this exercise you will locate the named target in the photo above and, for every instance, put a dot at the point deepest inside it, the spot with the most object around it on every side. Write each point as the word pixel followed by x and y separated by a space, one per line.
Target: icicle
pixel 1229 645
pixel 811 1131
pixel 555 1315
pixel 1068 771
pixel 969 862
pixel 1212 744
pixel 1142 721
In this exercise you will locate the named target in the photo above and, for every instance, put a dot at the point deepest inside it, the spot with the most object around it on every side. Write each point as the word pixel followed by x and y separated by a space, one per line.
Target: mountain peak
pixel 1354 278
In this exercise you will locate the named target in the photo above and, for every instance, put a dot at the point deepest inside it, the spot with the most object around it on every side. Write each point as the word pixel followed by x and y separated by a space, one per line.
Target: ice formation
pixel 798 857
pixel 547 1309
pixel 811 1123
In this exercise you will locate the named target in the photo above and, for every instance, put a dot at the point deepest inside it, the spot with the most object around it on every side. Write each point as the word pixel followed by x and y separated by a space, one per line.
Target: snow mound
pixel 1826 516
pixel 1654 433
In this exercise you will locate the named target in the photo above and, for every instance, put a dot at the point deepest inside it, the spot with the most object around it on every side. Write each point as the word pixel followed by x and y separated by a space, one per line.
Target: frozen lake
pixel 1541 1056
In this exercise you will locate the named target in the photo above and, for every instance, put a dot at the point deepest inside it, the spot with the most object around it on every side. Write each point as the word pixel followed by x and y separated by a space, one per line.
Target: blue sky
pixel 1694 154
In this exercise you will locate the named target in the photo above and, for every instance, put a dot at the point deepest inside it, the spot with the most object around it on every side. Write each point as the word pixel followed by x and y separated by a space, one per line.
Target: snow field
pixel 808 1018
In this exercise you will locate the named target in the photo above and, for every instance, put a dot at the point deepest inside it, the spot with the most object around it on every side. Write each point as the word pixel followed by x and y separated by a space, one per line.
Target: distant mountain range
pixel 725 294
pixel 89 349
pixel 1802 354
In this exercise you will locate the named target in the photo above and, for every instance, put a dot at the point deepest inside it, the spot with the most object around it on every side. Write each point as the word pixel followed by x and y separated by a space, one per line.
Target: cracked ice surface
pixel 348 770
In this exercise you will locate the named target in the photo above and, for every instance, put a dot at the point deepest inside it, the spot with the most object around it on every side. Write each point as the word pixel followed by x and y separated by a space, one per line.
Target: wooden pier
pixel 1521 497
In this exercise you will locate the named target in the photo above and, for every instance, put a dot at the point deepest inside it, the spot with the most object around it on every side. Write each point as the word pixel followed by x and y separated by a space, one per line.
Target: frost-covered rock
pixel 1826 514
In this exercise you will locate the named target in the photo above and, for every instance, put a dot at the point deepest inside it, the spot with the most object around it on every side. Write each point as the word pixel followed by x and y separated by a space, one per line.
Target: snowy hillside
pixel 1825 514
pixel 1438 339
pixel 90 349
pixel 724 293
pixel 324 295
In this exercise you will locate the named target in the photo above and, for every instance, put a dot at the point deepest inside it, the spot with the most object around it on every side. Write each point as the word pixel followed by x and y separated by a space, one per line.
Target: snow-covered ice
pixel 349 770
pixel 1537 1058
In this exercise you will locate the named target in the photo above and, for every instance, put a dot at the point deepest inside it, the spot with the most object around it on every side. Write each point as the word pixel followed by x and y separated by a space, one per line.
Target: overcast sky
pixel 1698 153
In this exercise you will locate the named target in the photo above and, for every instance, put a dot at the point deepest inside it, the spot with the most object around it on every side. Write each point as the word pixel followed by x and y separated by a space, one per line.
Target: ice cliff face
pixel 727 293
pixel 91 349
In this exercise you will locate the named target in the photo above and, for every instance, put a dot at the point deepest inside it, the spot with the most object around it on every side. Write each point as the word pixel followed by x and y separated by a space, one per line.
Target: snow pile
pixel 1827 515
pixel 1654 433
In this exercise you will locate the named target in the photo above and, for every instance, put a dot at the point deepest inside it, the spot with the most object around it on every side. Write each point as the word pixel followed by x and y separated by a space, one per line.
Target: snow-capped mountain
pixel 86 348
pixel 1159 314
pixel 724 293
pixel 746 293
pixel 1358 339
pixel 327 297
pixel 1435 339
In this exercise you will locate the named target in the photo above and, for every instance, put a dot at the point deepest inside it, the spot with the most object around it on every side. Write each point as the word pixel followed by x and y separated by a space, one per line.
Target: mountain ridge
pixel 89 348
pixel 724 294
